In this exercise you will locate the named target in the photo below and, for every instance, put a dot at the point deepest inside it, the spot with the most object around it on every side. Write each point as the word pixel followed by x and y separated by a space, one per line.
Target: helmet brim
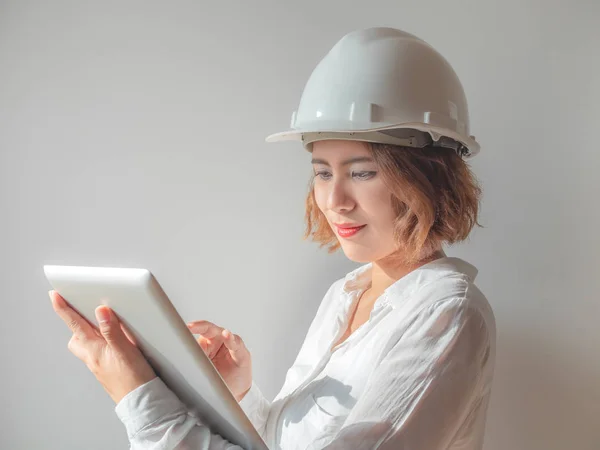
pixel 436 133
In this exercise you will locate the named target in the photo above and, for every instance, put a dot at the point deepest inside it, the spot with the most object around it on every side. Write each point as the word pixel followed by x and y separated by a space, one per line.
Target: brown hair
pixel 434 193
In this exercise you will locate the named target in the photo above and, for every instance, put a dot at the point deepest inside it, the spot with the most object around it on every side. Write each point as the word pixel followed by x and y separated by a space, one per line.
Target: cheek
pixel 377 203
pixel 380 212
pixel 320 198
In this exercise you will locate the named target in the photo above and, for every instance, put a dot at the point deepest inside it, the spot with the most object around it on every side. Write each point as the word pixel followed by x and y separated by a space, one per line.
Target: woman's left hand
pixel 108 352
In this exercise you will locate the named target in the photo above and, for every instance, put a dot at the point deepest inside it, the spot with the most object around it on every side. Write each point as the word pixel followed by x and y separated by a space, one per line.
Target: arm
pixel 155 418
pixel 422 391
pixel 256 407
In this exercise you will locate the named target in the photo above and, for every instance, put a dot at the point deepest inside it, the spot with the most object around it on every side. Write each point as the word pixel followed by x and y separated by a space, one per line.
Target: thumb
pixel 110 327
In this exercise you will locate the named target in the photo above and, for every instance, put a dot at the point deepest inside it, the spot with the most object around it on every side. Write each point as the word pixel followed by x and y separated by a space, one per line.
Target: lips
pixel 347 230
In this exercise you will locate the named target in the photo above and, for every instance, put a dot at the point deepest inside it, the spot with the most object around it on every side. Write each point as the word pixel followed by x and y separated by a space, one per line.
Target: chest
pixel 326 384
pixel 359 316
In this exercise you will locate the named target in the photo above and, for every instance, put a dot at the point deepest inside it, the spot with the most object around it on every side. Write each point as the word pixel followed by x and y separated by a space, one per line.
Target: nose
pixel 339 199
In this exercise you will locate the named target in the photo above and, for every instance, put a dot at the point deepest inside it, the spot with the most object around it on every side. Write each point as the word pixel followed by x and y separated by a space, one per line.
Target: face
pixel 351 194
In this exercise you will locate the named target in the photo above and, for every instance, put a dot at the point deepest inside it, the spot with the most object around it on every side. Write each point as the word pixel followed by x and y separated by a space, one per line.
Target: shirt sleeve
pixel 256 407
pixel 155 419
pixel 424 388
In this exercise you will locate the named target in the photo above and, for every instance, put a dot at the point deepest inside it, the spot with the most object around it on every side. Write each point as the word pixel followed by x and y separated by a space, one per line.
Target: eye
pixel 323 174
pixel 366 175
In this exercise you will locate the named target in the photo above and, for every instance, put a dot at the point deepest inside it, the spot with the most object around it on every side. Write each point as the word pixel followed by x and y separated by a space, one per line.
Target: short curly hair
pixel 434 192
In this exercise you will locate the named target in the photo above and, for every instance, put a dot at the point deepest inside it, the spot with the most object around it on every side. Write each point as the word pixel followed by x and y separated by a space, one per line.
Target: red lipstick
pixel 347 230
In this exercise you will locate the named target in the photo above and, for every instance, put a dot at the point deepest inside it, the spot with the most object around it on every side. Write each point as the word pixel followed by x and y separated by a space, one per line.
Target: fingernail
pixel 102 315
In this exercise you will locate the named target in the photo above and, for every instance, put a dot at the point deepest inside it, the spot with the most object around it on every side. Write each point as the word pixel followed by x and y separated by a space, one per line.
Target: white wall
pixel 131 134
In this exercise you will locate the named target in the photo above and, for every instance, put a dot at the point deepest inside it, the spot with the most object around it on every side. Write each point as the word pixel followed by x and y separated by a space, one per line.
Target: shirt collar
pixel 360 278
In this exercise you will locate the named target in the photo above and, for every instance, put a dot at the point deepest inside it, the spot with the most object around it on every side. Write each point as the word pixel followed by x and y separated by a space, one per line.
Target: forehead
pixel 336 151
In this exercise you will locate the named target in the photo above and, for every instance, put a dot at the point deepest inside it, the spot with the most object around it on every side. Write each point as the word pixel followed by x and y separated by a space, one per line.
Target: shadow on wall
pixel 545 397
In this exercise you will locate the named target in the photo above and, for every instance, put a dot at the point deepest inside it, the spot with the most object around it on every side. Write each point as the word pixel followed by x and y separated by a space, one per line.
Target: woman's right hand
pixel 228 353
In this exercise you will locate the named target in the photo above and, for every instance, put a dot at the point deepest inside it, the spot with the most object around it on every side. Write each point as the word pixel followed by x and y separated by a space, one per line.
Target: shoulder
pixel 453 287
pixel 443 297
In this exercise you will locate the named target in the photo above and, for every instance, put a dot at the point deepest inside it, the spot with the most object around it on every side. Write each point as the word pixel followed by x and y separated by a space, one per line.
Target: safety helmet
pixel 387 86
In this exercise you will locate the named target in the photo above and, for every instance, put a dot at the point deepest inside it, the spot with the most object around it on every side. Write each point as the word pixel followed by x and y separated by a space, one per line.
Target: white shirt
pixel 416 376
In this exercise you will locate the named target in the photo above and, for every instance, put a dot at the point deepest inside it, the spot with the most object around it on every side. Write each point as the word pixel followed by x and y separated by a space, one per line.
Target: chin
pixel 359 255
pixel 367 254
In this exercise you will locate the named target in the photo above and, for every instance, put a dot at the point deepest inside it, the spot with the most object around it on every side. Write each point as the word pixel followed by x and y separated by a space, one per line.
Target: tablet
pixel 164 339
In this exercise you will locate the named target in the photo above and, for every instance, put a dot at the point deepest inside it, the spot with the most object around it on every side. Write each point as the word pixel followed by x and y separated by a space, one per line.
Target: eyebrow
pixel 344 163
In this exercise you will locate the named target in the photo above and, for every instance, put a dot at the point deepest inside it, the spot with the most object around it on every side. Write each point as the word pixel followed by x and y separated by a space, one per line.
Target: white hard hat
pixel 387 86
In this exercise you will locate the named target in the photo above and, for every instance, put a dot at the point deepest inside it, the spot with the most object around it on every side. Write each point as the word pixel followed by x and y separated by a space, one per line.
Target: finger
pixel 110 328
pixel 210 346
pixel 235 345
pixel 76 323
pixel 204 344
pixel 207 329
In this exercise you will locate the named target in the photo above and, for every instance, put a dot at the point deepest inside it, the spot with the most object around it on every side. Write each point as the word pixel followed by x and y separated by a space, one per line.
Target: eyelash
pixel 362 176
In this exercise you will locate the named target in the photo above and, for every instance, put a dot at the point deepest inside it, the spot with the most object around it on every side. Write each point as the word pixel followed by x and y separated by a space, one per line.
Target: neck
pixel 384 272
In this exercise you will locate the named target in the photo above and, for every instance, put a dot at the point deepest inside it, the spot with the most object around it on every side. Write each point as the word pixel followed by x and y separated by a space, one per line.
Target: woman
pixel 401 351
